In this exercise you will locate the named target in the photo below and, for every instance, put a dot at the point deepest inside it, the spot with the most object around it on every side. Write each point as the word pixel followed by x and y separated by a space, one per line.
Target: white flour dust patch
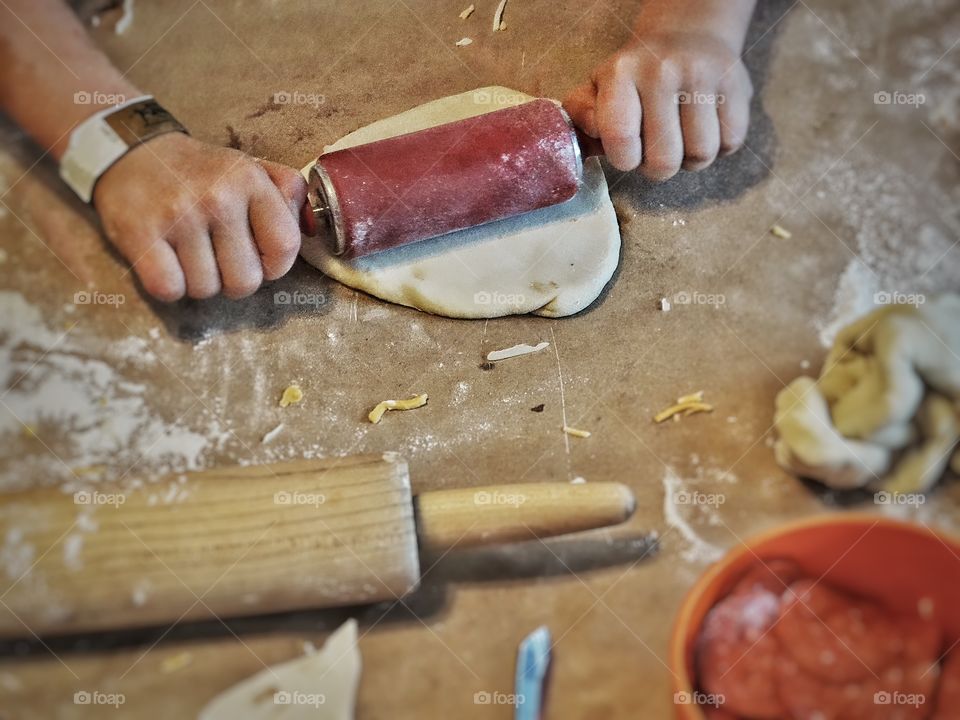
pixel 67 409
pixel 903 246
pixel 675 509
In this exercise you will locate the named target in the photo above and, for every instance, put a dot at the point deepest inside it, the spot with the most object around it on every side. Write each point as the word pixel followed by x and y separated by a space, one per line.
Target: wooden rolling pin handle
pixel 469 517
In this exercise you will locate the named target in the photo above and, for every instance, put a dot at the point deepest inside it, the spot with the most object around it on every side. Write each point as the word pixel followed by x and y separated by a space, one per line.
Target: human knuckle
pixel 118 226
pixel 290 182
pixel 623 64
pixel 217 198
pixel 248 171
pixel 617 66
pixel 179 207
pixel 701 73
pixel 285 244
pixel 665 72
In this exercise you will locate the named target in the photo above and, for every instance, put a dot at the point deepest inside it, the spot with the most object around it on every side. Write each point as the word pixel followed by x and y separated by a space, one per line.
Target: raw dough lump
pixel 885 411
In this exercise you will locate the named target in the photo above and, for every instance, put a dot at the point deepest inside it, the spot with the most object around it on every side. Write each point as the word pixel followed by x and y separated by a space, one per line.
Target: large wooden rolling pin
pixel 259 539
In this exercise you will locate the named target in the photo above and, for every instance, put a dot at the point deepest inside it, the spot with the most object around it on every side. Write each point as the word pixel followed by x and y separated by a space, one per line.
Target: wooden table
pixel 846 176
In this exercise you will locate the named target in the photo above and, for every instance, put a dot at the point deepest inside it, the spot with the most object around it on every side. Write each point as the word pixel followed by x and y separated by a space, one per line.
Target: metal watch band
pixel 102 139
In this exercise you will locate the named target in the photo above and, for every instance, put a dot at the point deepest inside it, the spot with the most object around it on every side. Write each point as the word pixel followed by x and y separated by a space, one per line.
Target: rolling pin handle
pixel 311 218
pixel 315 215
pixel 321 214
pixel 589 146
pixel 471 517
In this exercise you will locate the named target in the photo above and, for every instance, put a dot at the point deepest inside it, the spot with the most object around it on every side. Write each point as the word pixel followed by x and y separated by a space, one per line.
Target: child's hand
pixel 196 219
pixel 677 95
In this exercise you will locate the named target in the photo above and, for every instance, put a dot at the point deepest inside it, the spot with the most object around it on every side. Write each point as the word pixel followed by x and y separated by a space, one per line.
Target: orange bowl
pixel 896 563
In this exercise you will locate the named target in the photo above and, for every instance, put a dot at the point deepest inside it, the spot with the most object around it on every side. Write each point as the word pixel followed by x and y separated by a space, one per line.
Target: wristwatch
pixel 105 137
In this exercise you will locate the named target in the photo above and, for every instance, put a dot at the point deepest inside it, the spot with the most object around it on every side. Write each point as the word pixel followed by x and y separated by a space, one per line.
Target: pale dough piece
pixel 922 466
pixel 810 446
pixel 551 262
pixel 886 360
pixel 515 351
pixel 891 383
pixel 321 686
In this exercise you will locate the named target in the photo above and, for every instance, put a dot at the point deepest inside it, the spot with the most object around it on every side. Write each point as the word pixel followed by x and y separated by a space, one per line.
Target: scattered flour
pixel 73 412
pixel 375 313
pixel 10 682
pixel 140 593
pixel 72 547
pixel 697 550
pixel 853 299
pixel 898 218
pixel 897 251
pixel 16 556
pixel 460 392
pixel 126 20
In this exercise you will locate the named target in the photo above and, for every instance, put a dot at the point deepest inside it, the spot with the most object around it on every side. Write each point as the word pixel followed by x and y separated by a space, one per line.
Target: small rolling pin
pixel 260 539
pixel 403 189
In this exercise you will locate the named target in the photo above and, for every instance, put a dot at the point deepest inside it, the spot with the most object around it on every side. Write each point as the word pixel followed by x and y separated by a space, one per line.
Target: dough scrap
pixel 810 446
pixel 270 435
pixel 781 232
pixel 891 384
pixel 922 466
pixel 885 360
pixel 551 262
pixel 515 351
pixel 291 396
pixel 320 686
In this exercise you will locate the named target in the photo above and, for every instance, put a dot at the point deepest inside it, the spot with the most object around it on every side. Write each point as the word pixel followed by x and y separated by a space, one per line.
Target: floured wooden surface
pixel 212 374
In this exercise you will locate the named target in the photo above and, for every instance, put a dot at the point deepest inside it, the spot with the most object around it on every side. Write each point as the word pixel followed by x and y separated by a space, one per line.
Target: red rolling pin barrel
pixel 450 177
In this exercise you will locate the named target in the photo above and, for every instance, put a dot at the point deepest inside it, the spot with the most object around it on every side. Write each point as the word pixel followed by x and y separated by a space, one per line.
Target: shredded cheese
pixel 576 432
pixel 686 408
pixel 291 395
pixel 409 404
pixel 175 662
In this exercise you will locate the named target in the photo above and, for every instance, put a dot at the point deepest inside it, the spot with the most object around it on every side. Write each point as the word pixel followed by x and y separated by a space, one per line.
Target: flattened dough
pixel 551 262
pixel 319 686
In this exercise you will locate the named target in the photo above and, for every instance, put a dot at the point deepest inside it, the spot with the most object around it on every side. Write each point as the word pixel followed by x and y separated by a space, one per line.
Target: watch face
pixel 140 121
